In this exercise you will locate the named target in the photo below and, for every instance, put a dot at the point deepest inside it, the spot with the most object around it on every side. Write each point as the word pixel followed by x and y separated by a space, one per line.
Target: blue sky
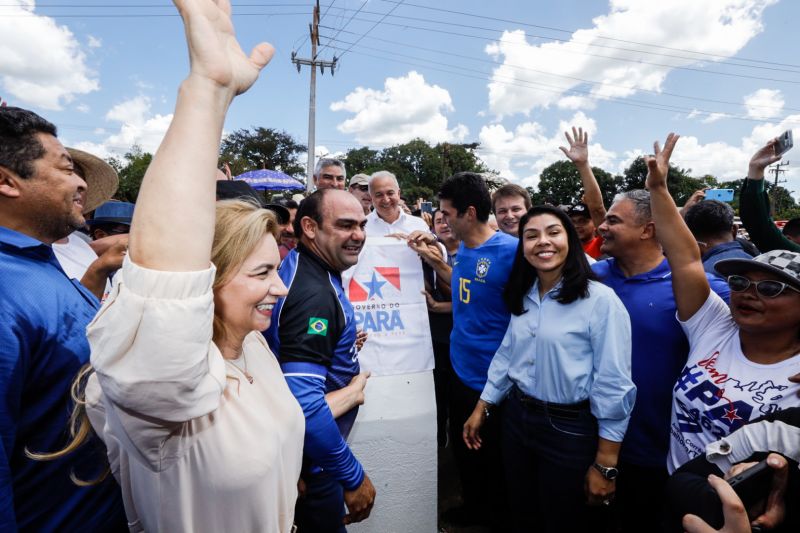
pixel 510 75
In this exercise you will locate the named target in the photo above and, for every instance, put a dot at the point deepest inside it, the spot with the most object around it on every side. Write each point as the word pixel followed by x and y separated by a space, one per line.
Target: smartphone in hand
pixel 723 195
pixel 785 143
pixel 754 484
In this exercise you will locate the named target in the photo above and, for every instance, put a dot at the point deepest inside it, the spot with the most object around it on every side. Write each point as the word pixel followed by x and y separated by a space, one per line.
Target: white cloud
pixel 532 76
pixel 94 42
pixel 729 161
pixel 405 109
pixel 138 125
pixel 764 103
pixel 42 63
pixel 522 153
pixel 708 118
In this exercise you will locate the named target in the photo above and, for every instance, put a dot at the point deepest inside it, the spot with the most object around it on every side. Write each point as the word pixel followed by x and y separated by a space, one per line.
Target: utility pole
pixel 313 28
pixel 777 170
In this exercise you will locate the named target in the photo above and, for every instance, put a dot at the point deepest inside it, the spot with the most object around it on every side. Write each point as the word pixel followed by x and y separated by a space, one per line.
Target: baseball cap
pixel 783 264
pixel 359 179
pixel 579 209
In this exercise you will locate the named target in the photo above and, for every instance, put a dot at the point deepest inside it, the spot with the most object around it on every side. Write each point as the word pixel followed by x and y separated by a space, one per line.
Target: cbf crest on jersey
pixel 385 288
pixel 482 269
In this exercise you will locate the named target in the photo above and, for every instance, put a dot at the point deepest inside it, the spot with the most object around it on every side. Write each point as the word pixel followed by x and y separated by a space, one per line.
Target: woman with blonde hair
pixel 201 430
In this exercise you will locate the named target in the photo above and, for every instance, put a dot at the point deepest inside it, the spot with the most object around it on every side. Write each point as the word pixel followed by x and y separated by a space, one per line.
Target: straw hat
pixel 101 179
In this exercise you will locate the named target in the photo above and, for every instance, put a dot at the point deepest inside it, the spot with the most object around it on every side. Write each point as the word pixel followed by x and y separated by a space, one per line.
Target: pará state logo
pixel 482 270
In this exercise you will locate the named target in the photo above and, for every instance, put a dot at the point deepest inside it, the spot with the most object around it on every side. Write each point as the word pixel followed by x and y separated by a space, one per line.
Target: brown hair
pixel 511 189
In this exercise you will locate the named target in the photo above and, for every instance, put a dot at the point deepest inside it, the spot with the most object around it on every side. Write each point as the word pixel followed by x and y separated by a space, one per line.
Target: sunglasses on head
pixel 767 288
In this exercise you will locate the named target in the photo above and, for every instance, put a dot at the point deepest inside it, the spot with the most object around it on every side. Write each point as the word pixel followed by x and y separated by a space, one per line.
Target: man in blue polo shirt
pixel 639 274
pixel 480 320
pixel 43 317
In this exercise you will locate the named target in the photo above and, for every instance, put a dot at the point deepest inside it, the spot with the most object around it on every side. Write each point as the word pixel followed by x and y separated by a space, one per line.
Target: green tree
pixel 362 160
pixel 131 169
pixel 680 184
pixel 261 148
pixel 420 168
pixel 560 183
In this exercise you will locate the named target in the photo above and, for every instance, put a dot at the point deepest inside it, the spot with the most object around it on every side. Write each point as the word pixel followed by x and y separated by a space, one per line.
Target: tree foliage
pixel 420 168
pixel 560 184
pixel 261 148
pixel 130 168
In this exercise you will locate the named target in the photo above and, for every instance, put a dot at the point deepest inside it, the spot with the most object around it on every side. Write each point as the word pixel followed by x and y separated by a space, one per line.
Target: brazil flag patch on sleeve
pixel 317 326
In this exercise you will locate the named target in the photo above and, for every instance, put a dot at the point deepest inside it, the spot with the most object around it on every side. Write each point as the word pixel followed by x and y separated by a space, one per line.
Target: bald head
pixel 330 222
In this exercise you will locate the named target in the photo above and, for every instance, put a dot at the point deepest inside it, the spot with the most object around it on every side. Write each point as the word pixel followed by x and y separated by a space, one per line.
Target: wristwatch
pixel 608 472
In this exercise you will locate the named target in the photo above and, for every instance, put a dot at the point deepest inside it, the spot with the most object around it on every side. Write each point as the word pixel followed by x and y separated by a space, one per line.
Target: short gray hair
pixel 641 204
pixel 329 162
pixel 383 174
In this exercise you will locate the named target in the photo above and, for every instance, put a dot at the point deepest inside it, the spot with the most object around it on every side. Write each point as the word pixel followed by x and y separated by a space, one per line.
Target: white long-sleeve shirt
pixel 194 446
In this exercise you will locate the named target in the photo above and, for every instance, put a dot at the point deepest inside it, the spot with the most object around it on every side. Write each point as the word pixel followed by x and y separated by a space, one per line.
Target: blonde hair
pixel 240 226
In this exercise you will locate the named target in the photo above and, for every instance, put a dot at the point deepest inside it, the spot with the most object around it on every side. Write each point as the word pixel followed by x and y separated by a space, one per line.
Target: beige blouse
pixel 194 446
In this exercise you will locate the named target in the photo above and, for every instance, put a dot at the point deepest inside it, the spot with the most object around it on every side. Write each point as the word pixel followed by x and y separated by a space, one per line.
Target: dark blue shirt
pixel 659 351
pixel 727 250
pixel 43 345
pixel 313 334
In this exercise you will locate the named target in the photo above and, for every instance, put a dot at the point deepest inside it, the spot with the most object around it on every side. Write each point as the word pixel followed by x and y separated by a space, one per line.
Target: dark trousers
pixel 321 510
pixel 640 497
pixel 441 383
pixel 481 471
pixel 546 458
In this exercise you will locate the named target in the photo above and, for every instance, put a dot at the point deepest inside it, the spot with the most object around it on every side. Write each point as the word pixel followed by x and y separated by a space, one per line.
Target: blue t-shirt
pixel 659 351
pixel 480 317
pixel 43 345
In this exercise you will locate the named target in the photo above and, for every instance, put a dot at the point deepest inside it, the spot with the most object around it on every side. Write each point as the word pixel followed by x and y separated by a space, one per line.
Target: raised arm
pixel 689 282
pixel 173 225
pixel 754 204
pixel 578 153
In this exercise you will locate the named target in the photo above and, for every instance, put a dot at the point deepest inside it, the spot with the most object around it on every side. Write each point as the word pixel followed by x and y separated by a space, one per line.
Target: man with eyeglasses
pixel 329 174
pixel 359 187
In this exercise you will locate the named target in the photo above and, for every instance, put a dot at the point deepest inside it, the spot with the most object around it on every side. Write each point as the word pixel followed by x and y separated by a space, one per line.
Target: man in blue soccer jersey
pixel 480 320
pixel 313 335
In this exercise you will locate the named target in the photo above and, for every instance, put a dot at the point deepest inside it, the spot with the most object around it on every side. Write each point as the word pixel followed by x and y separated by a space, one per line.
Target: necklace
pixel 243 370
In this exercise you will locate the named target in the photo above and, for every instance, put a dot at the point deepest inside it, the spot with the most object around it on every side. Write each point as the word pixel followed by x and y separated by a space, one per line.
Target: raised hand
pixel 214 52
pixel 762 159
pixel 578 151
pixel 658 164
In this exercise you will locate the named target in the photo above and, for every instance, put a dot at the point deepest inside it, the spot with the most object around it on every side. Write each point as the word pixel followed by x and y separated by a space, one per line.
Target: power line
pixel 533 86
pixel 388 13
pixel 364 3
pixel 562 30
pixel 150 15
pixel 533 36
pixel 582 80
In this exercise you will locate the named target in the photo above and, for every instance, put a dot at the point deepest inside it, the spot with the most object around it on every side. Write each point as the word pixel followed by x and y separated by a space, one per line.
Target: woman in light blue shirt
pixel 564 368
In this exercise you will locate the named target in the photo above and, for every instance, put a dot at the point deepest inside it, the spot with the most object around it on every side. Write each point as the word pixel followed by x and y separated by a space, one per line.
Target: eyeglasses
pixel 767 288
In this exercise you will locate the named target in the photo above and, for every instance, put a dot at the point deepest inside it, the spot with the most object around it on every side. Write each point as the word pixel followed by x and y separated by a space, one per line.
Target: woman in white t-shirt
pixel 740 358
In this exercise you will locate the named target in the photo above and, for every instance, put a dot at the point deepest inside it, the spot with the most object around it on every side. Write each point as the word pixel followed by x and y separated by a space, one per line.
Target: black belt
pixel 569 411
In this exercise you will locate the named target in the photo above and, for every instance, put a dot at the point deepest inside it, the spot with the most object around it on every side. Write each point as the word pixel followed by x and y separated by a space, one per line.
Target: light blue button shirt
pixel 568 353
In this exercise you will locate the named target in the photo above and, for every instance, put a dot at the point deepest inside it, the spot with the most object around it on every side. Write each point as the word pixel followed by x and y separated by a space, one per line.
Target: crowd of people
pixel 190 362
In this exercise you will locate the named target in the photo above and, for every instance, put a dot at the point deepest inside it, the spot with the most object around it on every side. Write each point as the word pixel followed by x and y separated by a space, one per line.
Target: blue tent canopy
pixel 270 180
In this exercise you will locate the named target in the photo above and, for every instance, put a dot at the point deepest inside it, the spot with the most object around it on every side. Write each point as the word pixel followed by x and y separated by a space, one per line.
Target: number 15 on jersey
pixel 463 290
